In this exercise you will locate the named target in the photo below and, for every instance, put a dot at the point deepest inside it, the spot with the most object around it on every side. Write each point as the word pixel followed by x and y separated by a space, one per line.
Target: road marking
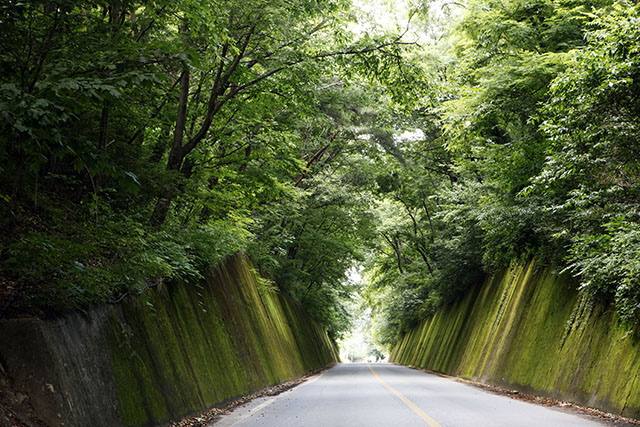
pixel 232 419
pixel 309 381
pixel 235 416
pixel 409 403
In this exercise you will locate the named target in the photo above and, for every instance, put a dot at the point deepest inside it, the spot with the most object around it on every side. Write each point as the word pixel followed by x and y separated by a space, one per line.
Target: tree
pixel 590 179
pixel 261 40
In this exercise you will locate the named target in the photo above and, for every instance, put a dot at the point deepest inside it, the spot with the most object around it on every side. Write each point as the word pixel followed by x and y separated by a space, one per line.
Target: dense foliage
pixel 530 149
pixel 143 141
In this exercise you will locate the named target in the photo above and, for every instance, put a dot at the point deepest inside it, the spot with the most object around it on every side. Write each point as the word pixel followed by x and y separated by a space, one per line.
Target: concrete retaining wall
pixel 179 349
pixel 527 328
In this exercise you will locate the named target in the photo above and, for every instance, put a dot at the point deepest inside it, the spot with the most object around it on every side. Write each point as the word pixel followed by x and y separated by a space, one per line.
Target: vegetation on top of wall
pixel 146 140
pixel 530 150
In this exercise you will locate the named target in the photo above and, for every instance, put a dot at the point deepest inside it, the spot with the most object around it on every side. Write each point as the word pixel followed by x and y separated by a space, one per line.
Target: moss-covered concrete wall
pixel 527 328
pixel 180 349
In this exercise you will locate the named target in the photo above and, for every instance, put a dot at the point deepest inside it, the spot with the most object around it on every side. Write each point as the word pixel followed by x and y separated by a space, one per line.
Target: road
pixel 388 395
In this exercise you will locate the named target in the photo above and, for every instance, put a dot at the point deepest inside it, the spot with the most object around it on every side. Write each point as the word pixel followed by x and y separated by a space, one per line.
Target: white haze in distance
pixel 380 16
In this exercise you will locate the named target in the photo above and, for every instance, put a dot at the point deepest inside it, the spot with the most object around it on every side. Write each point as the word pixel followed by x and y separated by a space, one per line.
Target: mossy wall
pixel 180 349
pixel 527 328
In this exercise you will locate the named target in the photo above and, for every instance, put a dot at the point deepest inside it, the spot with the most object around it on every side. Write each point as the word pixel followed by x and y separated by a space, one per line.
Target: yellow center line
pixel 409 403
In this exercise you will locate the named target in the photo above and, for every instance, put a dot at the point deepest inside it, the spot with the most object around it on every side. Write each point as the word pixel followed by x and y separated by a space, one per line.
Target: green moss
pixel 192 346
pixel 527 328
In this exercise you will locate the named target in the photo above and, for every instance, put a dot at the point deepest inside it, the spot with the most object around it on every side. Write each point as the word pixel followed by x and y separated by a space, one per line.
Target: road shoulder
pixel 239 405
pixel 563 406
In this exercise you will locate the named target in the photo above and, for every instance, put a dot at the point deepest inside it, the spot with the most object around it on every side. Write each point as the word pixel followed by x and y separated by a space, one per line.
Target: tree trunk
pixel 176 156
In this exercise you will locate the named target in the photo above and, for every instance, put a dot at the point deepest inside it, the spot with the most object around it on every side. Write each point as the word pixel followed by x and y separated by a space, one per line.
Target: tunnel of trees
pixel 143 141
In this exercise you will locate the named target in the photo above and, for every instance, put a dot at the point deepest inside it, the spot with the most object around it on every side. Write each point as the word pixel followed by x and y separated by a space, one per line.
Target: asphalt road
pixel 388 395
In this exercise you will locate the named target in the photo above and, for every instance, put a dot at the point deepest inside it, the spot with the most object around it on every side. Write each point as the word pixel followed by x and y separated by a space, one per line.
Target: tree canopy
pixel 144 141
